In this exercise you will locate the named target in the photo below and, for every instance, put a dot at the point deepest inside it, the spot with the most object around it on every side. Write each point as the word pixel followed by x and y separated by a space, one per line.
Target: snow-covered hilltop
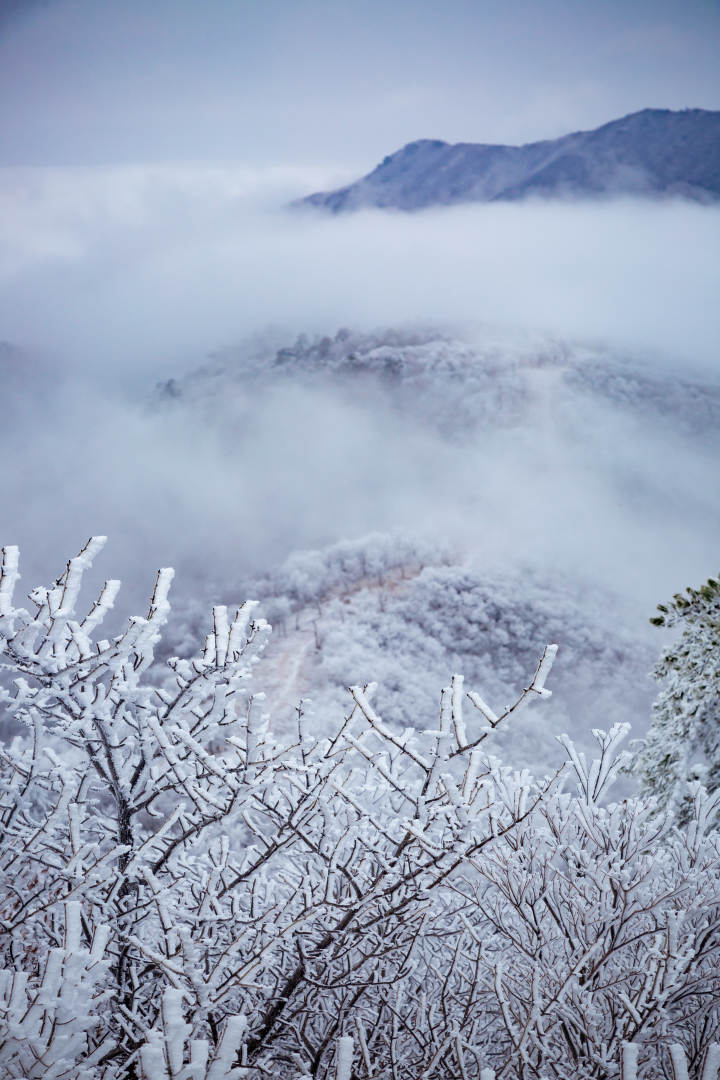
pixel 458 383
pixel 652 152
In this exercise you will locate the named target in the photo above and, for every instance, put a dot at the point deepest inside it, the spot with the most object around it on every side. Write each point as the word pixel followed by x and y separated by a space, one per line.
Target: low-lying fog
pixel 113 279
pixel 133 266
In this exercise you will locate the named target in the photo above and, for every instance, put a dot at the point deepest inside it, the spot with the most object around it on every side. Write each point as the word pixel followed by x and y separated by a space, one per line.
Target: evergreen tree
pixel 683 743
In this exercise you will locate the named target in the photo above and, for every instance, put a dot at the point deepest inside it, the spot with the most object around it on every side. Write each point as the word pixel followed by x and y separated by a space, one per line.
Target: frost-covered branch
pixel 185 895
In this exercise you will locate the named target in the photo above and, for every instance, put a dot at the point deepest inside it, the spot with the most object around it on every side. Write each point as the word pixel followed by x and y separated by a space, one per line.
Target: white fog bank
pixel 112 279
pixel 128 268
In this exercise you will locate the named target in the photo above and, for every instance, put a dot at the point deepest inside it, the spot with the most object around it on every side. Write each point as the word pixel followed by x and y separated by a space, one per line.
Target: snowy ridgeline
pixel 457 384
pixel 405 368
pixel 185 896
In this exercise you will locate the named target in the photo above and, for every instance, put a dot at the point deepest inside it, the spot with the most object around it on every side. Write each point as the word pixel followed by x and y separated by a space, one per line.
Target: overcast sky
pixel 334 82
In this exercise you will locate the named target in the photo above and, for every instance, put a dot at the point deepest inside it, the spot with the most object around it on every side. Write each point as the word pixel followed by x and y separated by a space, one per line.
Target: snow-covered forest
pixel 187 894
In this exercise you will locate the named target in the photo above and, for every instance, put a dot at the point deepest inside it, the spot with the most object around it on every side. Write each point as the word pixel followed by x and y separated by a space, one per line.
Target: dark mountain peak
pixel 422 144
pixel 653 152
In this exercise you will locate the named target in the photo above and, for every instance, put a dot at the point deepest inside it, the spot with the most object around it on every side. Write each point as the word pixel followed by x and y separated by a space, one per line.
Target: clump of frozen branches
pixel 184 896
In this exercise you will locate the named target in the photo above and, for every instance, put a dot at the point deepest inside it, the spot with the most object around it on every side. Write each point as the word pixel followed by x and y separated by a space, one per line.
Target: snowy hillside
pixel 652 152
pixel 404 615
pixel 558 448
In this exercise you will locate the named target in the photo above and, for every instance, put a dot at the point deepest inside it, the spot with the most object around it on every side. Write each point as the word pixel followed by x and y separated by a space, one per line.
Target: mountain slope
pixel 503 471
pixel 406 613
pixel 652 152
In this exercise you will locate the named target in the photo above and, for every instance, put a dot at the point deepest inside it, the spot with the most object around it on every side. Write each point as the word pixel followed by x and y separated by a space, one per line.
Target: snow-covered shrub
pixel 183 896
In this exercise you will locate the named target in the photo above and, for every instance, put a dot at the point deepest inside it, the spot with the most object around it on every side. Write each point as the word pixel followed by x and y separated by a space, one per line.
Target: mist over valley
pixel 512 384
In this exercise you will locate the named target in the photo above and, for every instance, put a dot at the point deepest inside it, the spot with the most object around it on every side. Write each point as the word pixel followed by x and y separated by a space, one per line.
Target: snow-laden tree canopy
pixel 185 896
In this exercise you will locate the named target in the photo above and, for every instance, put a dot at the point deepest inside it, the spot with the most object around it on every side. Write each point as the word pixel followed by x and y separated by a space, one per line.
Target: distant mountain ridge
pixel 653 152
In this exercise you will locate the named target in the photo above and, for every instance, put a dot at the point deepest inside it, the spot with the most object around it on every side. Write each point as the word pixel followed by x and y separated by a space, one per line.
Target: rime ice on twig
pixel 183 896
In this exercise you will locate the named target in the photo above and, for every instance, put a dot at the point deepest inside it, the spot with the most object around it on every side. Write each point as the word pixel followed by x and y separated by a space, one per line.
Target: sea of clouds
pixel 114 278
